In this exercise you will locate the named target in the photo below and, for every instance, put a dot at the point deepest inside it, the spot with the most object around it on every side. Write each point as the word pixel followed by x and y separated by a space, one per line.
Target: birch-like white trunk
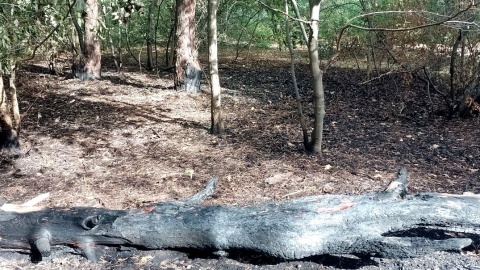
pixel 216 109
pixel 317 76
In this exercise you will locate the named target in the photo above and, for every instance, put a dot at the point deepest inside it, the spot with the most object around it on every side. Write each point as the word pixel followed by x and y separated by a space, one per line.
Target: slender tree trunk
pixel 169 57
pixel 453 73
pixel 110 41
pixel 302 27
pixel 6 124
pixel 155 31
pixel 14 101
pixel 93 55
pixel 317 76
pixel 216 108
pixel 80 32
pixel 371 56
pixel 153 4
pixel 294 77
pixel 119 46
pixel 9 129
pixel 187 68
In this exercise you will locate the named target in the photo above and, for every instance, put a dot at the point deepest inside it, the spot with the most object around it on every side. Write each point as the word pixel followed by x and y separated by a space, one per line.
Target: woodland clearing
pixel 129 140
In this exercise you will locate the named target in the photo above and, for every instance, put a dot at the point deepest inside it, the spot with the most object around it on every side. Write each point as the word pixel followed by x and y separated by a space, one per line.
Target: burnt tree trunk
pixel 187 68
pixel 88 66
pixel 385 224
pixel 9 113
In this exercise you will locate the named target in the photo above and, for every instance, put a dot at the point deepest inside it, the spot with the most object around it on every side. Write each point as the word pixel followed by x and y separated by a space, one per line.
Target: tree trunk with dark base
pixel 88 66
pixel 93 56
pixel 389 224
pixel 9 114
pixel 187 68
pixel 216 126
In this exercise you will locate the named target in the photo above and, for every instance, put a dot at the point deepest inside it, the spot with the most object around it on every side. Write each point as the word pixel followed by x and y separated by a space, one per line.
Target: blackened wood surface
pixel 387 224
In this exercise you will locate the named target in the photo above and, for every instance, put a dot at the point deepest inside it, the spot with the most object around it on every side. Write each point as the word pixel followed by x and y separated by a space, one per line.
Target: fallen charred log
pixel 386 224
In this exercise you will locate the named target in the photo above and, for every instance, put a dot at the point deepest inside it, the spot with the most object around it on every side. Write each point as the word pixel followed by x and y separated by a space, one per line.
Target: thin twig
pixel 472 5
pixel 377 77
pixel 348 25
pixel 429 80
pixel 36 200
pixel 283 13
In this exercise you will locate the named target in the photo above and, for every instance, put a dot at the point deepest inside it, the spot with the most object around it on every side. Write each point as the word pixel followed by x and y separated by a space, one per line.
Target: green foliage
pixel 26 24
pixel 128 18
pixel 15 32
pixel 122 10
pixel 335 15
pixel 241 23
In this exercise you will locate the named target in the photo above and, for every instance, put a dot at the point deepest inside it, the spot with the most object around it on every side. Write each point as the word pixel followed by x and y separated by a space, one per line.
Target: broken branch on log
pixel 390 224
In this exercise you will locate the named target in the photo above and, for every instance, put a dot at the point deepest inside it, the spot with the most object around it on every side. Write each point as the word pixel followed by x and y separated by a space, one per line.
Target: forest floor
pixel 129 140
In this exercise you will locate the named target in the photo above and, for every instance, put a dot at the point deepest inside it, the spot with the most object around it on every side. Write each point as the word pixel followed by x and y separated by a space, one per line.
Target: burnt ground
pixel 129 140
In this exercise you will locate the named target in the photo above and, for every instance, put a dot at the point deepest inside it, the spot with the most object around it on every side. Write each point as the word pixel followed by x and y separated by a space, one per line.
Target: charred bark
pixel 187 67
pixel 9 114
pixel 88 64
pixel 385 224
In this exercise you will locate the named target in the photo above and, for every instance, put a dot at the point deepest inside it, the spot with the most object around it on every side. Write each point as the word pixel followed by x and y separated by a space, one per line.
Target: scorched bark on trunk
pixel 9 113
pixel 187 68
pixel 385 224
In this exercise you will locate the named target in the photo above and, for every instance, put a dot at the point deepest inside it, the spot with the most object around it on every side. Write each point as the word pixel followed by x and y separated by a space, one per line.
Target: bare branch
pixel 283 13
pixel 337 53
pixel 297 13
pixel 348 25
pixel 430 82
pixel 205 193
pixel 463 25
pixel 446 20
pixel 36 200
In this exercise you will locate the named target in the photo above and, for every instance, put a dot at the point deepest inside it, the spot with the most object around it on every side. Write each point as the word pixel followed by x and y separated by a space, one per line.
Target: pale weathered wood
pixel 386 224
